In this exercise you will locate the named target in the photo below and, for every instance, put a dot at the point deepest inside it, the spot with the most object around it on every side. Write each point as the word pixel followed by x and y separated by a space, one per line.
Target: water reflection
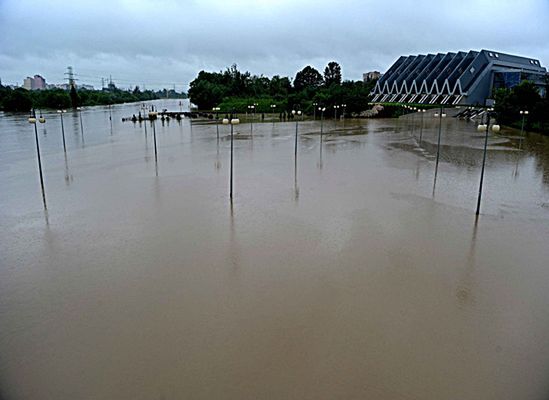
pixel 68 176
pixel 464 290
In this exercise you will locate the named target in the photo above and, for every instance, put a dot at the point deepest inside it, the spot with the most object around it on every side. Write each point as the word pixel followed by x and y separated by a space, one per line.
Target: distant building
pixel 371 76
pixel 36 83
pixel 39 83
pixel 64 86
pixel 467 78
pixel 87 87
pixel 27 83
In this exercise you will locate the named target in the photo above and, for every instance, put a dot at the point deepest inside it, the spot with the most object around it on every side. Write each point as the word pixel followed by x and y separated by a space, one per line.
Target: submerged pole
pixel 483 164
pixel 32 120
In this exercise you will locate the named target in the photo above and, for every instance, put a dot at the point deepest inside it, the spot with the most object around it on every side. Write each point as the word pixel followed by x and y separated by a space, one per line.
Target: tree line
pixel 23 100
pixel 235 90
pixel 523 97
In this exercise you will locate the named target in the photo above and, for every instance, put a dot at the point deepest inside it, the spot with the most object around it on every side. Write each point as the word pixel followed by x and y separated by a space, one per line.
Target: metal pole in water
pixel 32 120
pixel 483 164
pixel 231 183
pixel 154 136
pixel 81 124
pixel 438 144
pixel 295 147
pixel 421 128
pixel 63 131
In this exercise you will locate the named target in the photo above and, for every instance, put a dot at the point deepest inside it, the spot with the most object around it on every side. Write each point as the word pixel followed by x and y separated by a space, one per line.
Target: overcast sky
pixel 165 42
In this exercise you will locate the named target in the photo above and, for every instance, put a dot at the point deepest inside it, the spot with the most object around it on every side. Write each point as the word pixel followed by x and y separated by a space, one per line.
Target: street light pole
pixel 440 115
pixel 32 120
pixel 495 128
pixel 81 124
pixel 321 109
pixel 421 128
pixel 524 114
pixel 314 111
pixel 335 115
pixel 152 116
pixel 216 109
pixel 233 121
pixel 63 130
pixel 273 106
pixel 252 107
pixel 294 112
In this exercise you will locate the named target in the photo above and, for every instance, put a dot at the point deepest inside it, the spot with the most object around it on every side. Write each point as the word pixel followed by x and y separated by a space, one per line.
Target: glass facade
pixel 506 80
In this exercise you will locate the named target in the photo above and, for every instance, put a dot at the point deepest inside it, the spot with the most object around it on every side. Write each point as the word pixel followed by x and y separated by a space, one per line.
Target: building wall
pixel 452 78
pixel 39 82
pixel 28 83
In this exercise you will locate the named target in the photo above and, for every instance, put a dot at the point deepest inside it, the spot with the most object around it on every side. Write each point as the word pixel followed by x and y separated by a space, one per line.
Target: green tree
pixel 17 100
pixel 332 74
pixel 308 78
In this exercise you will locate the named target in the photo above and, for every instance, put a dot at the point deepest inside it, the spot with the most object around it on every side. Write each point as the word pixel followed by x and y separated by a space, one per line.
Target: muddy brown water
pixel 342 279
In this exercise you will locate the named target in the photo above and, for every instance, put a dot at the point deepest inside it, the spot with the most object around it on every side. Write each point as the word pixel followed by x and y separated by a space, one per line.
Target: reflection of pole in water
pixel 421 127
pixel 515 172
pixel 320 162
pixel 217 161
pixel 68 176
pixel 463 291
pixel 110 116
pixel 296 188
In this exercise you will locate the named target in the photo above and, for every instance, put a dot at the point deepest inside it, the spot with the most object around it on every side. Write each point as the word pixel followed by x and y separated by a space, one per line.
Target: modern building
pixel 39 83
pixel 27 83
pixel 371 76
pixel 467 78
pixel 36 83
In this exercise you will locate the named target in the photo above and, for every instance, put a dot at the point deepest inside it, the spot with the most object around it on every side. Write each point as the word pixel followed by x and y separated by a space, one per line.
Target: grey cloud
pixel 162 42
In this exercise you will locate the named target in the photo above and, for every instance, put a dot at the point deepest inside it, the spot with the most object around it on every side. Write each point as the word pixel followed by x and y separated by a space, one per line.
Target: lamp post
pixel 144 110
pixel 216 110
pixel 252 109
pixel 314 111
pixel 495 128
pixel 321 109
pixel 273 106
pixel 335 115
pixel 413 109
pixel 440 115
pixel 294 112
pixel 81 124
pixel 233 121
pixel 63 130
pixel 524 114
pixel 32 120
pixel 152 116
pixel 421 127
pixel 344 106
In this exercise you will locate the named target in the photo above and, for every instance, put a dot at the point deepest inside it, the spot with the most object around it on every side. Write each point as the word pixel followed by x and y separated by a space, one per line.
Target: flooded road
pixel 341 278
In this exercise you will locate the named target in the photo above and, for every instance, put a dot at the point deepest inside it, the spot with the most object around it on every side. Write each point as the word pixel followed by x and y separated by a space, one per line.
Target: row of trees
pixel 23 100
pixel 233 89
pixel 523 97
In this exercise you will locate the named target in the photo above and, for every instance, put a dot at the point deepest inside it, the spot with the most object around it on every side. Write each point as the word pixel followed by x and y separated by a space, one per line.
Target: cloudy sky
pixel 165 42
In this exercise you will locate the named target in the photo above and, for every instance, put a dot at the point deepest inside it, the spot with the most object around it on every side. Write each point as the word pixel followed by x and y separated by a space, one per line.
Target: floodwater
pixel 347 277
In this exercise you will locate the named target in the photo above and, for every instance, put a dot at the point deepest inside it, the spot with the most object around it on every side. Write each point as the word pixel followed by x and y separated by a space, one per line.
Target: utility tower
pixel 70 77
